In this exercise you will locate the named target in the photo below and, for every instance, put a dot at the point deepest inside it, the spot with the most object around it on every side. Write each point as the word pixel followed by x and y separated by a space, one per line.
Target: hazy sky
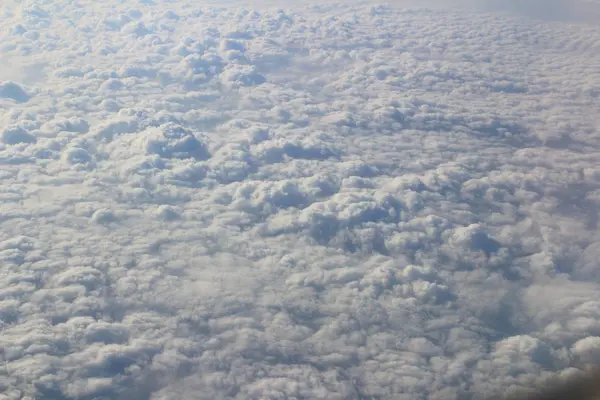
pixel 343 201
pixel 558 10
pixel 587 11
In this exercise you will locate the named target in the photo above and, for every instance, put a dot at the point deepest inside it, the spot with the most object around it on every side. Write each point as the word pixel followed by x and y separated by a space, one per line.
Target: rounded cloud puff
pixel 13 91
pixel 76 155
pixel 17 135
pixel 103 216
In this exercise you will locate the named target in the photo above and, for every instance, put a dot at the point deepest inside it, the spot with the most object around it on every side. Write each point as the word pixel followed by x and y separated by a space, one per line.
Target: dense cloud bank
pixel 342 202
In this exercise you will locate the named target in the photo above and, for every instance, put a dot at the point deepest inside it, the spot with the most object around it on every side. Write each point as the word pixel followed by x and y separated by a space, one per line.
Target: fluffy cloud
pixel 342 201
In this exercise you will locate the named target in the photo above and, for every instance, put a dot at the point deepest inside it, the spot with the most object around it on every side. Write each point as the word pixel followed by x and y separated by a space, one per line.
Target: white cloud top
pixel 335 202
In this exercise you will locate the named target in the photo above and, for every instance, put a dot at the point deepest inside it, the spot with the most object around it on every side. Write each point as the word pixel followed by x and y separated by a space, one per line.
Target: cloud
pixel 559 10
pixel 13 91
pixel 338 201
pixel 578 11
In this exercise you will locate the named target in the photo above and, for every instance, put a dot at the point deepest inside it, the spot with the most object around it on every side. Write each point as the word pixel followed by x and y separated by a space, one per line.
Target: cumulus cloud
pixel 340 201
pixel 13 91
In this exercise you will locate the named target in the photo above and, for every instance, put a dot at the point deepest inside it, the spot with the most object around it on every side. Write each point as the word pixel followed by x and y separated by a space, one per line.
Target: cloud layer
pixel 339 202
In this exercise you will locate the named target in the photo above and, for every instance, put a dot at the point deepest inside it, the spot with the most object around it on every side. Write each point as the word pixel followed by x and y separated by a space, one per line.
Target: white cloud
pixel 13 91
pixel 342 201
